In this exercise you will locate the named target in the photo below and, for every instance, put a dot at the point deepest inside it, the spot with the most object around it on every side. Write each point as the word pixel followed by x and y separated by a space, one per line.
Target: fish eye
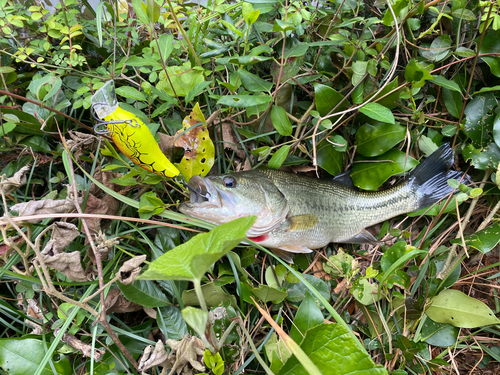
pixel 229 182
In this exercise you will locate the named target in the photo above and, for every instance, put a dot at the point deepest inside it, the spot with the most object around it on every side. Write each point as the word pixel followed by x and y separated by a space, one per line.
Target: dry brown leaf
pixel 186 354
pixel 231 141
pixel 85 349
pixel 66 263
pixel 43 207
pixel 131 269
pixel 33 310
pixel 156 356
pixel 166 143
pixel 80 142
pixel 53 254
pixel 95 206
pixel 116 303
pixel 11 184
pixel 104 245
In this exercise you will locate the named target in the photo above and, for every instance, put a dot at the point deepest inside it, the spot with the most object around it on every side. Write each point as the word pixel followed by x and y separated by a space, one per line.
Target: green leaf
pixel 374 140
pixel 453 102
pixel 141 14
pixel 213 295
pixel 166 43
pixel 280 25
pixel 130 92
pixel 417 73
pixel 439 334
pixel 263 293
pixel 378 113
pixel 397 7
pixel 22 356
pixel 145 293
pixel 443 82
pixel 244 101
pixel 479 119
pixel 308 315
pixel 297 50
pixel 426 145
pixel 465 52
pixel 253 82
pixel 281 121
pixel 456 308
pixel 484 240
pixel 192 259
pixel 143 61
pixel 249 14
pixel 297 291
pixel 439 49
pixel 327 98
pixel 487 157
pixel 491 44
pixel 6 128
pixel 279 157
pixel 171 323
pixel 365 292
pixel 152 11
pixel 333 351
pixel 388 100
pixel 197 319
pixel 329 159
pixel 371 174
pixel 182 79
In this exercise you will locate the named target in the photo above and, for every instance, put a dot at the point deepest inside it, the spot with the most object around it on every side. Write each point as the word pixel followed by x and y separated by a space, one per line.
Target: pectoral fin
pixel 301 222
pixel 363 237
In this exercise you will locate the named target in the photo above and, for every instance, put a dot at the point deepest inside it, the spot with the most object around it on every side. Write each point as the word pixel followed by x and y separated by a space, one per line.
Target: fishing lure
pixel 129 133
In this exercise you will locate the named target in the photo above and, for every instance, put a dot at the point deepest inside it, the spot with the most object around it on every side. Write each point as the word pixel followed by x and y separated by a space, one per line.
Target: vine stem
pixel 183 32
pixel 199 294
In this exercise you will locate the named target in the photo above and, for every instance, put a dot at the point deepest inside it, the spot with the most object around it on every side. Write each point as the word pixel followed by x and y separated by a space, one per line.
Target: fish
pixel 297 214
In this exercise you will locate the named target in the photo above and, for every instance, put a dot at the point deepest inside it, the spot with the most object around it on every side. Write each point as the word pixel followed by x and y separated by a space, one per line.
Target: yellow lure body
pixel 134 139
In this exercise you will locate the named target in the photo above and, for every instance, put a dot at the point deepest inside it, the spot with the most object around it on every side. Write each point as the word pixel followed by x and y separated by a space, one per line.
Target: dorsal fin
pixel 344 178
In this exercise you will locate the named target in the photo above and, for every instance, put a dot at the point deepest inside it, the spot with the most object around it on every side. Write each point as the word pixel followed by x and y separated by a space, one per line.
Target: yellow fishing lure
pixel 129 133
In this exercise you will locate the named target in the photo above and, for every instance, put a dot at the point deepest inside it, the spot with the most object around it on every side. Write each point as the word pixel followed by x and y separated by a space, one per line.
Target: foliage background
pixel 314 88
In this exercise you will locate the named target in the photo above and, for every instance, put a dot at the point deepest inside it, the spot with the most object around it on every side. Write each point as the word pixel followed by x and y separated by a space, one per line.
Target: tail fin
pixel 430 176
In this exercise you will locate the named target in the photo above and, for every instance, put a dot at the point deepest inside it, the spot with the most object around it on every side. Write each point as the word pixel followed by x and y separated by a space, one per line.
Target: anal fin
pixel 363 237
pixel 286 252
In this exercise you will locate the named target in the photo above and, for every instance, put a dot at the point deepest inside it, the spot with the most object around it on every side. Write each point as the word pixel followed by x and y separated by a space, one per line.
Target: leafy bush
pixel 318 88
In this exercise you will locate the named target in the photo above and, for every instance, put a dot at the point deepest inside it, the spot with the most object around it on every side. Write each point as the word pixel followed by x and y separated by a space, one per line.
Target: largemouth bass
pixel 296 214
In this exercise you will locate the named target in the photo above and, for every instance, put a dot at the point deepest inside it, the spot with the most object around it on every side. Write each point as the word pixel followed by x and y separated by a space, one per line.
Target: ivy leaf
pixel 371 174
pixel 244 101
pixel 192 259
pixel 378 113
pixel 479 119
pixel 322 344
pixel 484 240
pixel 281 121
pixel 374 140
pixel 456 308
pixel 327 99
